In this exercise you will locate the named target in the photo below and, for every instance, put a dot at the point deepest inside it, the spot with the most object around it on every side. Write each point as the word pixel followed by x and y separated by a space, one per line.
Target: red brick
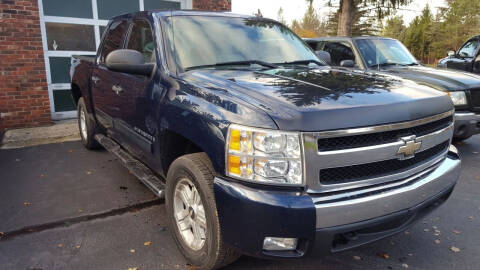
pixel 23 87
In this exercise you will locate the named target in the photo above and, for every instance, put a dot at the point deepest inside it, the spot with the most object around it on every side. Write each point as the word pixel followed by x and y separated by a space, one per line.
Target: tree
pixel 419 35
pixel 310 25
pixel 280 16
pixel 364 22
pixel 347 9
pixel 455 24
pixel 394 28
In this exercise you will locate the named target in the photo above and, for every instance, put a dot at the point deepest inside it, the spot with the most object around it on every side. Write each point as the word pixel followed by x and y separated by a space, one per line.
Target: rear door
pixel 104 81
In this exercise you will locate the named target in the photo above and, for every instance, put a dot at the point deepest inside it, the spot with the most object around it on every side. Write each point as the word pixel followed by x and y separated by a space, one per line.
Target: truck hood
pixel 440 79
pixel 327 98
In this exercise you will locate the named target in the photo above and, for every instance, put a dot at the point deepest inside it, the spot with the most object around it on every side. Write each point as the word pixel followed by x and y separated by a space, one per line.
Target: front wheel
pixel 86 126
pixel 192 213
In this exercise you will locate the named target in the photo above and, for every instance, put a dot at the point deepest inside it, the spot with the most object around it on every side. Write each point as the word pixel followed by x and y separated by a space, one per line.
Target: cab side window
pixel 468 50
pixel 315 45
pixel 114 38
pixel 141 40
pixel 338 52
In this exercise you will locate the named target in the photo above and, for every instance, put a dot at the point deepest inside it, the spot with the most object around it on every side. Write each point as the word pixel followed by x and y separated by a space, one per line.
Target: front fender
pixel 203 118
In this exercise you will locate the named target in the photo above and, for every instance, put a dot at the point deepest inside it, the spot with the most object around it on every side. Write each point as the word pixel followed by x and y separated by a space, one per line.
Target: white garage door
pixel 75 27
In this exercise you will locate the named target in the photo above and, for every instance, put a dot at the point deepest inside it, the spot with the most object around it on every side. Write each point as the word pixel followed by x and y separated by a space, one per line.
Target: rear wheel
pixel 86 125
pixel 192 213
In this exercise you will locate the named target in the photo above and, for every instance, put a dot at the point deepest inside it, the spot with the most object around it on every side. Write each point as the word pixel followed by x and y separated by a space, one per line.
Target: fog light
pixel 276 243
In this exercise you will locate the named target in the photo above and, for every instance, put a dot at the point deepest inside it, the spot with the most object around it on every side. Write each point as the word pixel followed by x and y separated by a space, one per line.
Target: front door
pixel 137 122
pixel 105 83
pixel 464 58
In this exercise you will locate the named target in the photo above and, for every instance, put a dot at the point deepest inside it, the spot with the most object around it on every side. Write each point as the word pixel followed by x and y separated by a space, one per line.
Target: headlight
pixel 264 156
pixel 458 98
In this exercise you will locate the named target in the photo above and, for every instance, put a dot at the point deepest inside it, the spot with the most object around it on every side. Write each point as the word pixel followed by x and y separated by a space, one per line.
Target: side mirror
pixel 128 61
pixel 451 53
pixel 325 56
pixel 347 63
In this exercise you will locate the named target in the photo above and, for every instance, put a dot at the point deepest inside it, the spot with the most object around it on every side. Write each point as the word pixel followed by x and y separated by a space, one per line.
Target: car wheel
pixel 86 125
pixel 192 213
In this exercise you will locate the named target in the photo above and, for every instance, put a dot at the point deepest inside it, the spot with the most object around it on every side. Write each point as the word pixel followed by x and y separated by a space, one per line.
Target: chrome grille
pixel 362 157
pixel 379 168
pixel 339 143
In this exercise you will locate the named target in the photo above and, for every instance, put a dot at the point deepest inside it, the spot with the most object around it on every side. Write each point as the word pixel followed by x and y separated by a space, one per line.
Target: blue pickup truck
pixel 258 146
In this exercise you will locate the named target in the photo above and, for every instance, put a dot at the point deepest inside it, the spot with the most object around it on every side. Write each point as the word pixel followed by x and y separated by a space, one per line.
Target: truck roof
pixel 183 12
pixel 345 38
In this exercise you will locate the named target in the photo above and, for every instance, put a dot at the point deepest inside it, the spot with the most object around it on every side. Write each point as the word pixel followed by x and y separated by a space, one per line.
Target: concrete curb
pixel 61 131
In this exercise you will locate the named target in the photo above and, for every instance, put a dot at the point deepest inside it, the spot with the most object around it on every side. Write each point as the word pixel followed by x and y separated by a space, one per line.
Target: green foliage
pixel 363 21
pixel 419 35
pixel 429 37
pixel 394 28
pixel 370 8
pixel 310 25
pixel 384 8
pixel 455 24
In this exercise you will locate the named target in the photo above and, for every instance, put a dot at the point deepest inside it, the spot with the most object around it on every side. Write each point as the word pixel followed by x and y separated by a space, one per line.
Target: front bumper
pixel 248 214
pixel 466 124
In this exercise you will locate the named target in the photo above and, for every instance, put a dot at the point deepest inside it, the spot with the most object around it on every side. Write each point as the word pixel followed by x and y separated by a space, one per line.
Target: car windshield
pixel 212 41
pixel 384 52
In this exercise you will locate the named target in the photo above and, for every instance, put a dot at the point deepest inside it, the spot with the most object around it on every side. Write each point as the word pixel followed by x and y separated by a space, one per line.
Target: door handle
pixel 95 79
pixel 117 89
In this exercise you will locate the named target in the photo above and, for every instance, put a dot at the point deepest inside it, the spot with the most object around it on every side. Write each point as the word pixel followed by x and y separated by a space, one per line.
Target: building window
pixel 63 100
pixel 111 8
pixel 59 69
pixel 70 8
pixel 156 4
pixel 70 37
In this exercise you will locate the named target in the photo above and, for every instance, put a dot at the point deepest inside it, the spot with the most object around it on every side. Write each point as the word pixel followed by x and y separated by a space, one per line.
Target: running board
pixel 133 165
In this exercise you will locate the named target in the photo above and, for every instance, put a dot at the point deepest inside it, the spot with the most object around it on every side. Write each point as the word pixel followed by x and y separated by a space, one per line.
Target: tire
pixel 86 126
pixel 196 169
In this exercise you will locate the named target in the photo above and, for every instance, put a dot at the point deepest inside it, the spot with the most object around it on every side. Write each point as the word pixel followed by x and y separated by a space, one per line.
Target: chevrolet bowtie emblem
pixel 409 148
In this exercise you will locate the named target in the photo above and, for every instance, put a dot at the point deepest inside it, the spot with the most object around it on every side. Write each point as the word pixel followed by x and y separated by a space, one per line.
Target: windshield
pixel 199 41
pixel 381 52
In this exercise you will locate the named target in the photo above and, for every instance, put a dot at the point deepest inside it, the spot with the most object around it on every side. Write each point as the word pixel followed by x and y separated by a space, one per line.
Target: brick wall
pixel 23 85
pixel 219 5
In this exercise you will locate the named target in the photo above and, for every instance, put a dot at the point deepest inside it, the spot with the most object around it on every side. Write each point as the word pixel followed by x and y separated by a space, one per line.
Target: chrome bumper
pixel 417 189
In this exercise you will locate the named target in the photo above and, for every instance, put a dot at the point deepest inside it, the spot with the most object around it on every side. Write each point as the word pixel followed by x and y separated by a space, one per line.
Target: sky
pixel 294 9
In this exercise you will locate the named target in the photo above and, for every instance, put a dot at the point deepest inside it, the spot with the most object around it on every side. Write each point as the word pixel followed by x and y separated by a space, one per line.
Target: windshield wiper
pixel 385 64
pixel 303 62
pixel 235 63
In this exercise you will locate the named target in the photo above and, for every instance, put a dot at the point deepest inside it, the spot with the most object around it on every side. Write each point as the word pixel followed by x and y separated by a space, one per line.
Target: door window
pixel 468 50
pixel 141 40
pixel 315 45
pixel 114 39
pixel 338 52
